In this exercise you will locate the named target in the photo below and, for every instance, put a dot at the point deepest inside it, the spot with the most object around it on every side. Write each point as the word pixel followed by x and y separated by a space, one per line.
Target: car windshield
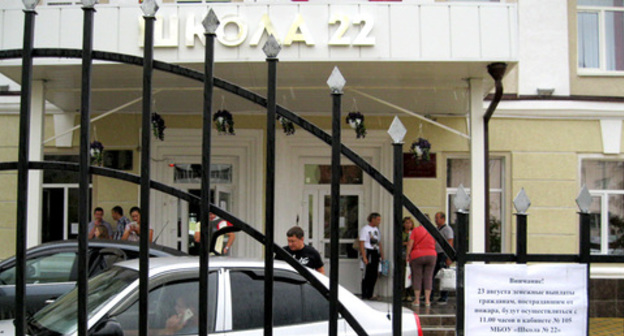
pixel 62 316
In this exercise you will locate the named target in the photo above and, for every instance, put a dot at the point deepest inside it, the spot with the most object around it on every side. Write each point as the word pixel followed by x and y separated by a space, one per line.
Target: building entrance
pixel 316 218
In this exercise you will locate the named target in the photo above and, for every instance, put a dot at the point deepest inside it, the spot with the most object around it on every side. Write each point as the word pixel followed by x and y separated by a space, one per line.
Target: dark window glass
pixel 295 300
pixel 321 174
pixel 117 159
pixel 50 268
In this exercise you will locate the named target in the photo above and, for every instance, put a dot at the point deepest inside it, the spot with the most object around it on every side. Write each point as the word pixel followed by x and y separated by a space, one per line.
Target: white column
pixel 35 177
pixel 62 123
pixel 477 167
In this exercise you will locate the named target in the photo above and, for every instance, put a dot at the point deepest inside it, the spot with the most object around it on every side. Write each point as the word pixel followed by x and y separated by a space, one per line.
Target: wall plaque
pixel 419 168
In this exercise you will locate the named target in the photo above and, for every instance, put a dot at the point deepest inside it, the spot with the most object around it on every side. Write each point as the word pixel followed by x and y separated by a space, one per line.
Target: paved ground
pixel 606 326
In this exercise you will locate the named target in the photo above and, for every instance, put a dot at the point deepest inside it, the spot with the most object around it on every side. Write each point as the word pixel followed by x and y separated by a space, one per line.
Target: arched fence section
pixel 28 53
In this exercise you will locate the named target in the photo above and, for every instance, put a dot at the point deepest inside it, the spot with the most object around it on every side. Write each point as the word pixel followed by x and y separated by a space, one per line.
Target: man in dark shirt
pixel 305 254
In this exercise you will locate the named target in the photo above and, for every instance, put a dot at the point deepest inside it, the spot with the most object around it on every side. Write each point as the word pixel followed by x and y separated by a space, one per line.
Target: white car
pixel 236 290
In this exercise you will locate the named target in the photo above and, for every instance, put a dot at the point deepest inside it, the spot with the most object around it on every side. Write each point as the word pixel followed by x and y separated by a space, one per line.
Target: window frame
pixel 603 195
pixel 452 191
pixel 602 42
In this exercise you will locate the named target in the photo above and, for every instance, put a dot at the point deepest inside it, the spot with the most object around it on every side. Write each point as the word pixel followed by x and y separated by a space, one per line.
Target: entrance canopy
pixel 415 55
pixel 424 88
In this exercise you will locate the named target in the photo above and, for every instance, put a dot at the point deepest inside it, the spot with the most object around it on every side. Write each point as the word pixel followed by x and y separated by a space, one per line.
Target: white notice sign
pixel 545 299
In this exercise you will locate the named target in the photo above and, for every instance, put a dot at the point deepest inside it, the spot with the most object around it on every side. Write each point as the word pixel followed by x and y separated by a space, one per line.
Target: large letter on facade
pixel 264 25
pixel 303 36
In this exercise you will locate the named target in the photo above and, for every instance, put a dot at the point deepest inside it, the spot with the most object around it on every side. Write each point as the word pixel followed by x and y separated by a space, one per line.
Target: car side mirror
pixel 107 327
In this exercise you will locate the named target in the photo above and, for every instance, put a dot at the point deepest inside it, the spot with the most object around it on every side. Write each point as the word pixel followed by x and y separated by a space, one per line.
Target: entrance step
pixel 437 324
pixel 437 320
pixel 438 331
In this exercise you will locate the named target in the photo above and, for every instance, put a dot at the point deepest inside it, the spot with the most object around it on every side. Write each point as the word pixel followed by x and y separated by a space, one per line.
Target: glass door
pixel 60 212
pixel 317 207
pixel 191 213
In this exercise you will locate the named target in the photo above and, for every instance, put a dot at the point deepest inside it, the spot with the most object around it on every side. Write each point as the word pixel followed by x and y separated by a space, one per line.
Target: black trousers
pixel 370 274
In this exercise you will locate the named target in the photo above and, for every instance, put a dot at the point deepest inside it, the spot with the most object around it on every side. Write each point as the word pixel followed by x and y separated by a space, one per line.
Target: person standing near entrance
pixel 306 255
pixel 372 253
pixel 217 223
pixel 133 229
pixel 98 214
pixel 421 254
pixel 442 260
pixel 122 221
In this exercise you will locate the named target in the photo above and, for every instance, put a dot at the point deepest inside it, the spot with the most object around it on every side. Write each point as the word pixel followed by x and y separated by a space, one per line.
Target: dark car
pixel 52 270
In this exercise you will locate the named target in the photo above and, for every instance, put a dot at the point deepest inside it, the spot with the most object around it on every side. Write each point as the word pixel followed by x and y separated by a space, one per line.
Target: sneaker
pixel 442 302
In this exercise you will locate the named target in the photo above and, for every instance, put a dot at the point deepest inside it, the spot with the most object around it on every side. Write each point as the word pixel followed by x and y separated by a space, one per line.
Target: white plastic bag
pixel 447 278
pixel 408 276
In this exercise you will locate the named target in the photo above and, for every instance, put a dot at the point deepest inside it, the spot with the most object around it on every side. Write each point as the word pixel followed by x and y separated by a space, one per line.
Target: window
pixel 191 173
pixel 600 29
pixel 321 174
pixel 44 269
pixel 294 300
pixel 605 181
pixel 458 172
pixel 173 309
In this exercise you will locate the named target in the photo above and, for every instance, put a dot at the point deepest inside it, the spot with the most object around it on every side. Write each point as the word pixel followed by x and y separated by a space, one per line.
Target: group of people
pixel 125 229
pixel 425 257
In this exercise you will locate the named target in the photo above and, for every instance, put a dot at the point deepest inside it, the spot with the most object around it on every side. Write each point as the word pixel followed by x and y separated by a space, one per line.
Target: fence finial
pixel 336 81
pixel 522 202
pixel 461 200
pixel 397 131
pixel 584 200
pixel 89 3
pixel 30 4
pixel 149 8
pixel 211 22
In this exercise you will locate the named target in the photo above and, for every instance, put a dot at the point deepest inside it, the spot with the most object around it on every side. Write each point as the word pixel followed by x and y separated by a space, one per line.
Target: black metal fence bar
pixel 461 246
pixel 270 195
pixel 22 173
pixel 256 99
pixel 204 256
pixel 399 261
pixel 584 253
pixel 335 213
pixel 146 135
pixel 85 162
pixel 521 238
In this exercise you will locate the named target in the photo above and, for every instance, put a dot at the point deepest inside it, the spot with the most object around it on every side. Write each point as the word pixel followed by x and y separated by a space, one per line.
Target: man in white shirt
pixel 372 253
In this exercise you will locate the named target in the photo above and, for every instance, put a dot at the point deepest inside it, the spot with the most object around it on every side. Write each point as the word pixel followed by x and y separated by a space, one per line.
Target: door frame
pixel 245 151
pixel 294 150
pixel 65 187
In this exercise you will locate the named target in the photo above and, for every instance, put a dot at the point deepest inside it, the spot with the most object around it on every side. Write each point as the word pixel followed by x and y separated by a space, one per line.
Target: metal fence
pixel 522 203
pixel 271 49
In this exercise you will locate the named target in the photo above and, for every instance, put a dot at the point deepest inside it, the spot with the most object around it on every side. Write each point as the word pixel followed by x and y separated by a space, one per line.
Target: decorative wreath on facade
pixel 356 121
pixel 420 149
pixel 158 126
pixel 97 152
pixel 287 125
pixel 224 122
